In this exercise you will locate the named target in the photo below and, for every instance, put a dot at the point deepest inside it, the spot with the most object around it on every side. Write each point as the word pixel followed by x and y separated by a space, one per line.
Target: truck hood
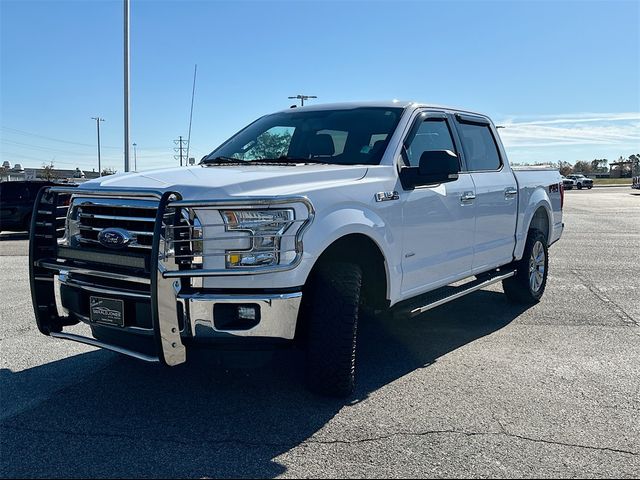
pixel 221 181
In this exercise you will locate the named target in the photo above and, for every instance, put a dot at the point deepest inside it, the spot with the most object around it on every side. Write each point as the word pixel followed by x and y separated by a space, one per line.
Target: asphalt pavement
pixel 475 388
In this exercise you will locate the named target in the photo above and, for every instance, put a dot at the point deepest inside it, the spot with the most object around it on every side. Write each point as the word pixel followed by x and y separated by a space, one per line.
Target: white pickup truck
pixel 288 230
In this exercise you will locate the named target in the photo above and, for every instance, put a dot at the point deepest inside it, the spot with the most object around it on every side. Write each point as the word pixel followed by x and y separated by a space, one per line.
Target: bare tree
pixel 48 172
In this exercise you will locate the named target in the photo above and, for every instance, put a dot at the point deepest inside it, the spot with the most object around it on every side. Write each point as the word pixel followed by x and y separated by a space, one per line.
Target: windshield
pixel 345 137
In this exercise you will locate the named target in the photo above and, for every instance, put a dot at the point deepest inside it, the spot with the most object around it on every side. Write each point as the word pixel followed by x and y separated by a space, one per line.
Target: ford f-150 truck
pixel 288 230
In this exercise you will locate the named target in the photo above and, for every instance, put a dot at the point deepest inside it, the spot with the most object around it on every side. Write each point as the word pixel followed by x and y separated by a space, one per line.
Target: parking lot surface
pixel 478 387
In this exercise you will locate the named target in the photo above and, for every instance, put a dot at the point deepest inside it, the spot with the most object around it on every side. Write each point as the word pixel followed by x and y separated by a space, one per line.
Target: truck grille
pixel 138 220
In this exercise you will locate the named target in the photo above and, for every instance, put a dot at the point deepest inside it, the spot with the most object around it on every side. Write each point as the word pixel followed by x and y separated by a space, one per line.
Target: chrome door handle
pixel 509 193
pixel 468 197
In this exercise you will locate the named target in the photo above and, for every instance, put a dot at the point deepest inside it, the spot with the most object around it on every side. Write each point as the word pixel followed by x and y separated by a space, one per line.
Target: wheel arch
pixel 537 215
pixel 364 251
pixel 541 221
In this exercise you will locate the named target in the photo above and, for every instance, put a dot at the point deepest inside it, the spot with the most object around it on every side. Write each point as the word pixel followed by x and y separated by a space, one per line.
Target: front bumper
pixel 163 313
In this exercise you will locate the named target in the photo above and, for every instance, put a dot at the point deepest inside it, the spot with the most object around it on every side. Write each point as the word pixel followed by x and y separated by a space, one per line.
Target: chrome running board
pixel 437 297
pixel 96 343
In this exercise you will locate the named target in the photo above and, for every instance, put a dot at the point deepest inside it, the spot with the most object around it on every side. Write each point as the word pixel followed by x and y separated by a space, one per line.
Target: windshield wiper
pixel 222 160
pixel 285 159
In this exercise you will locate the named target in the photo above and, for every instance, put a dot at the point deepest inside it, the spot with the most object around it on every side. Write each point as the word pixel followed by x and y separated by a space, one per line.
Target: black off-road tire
pixel 579 186
pixel 523 288
pixel 589 187
pixel 331 311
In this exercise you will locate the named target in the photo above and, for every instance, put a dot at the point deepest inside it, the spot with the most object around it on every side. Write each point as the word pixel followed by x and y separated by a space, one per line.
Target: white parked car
pixel 291 227
pixel 581 181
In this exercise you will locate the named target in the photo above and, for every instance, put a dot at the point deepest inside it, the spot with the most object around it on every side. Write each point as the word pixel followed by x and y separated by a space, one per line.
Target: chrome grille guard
pixel 167 270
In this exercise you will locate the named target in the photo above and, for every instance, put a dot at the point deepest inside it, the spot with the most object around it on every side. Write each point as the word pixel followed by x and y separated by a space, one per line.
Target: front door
pixel 438 220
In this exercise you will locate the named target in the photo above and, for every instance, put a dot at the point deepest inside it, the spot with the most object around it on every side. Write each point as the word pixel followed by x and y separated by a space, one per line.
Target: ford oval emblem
pixel 114 238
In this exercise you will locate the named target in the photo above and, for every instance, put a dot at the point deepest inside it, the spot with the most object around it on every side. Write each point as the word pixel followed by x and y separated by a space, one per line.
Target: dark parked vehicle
pixel 636 183
pixel 16 203
pixel 568 183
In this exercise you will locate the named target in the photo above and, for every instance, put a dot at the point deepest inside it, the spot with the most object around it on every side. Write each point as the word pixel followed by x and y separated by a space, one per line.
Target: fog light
pixel 234 316
pixel 247 312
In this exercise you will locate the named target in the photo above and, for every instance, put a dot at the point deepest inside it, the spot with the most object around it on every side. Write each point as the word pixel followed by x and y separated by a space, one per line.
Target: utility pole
pixel 126 85
pixel 135 157
pixel 302 98
pixel 181 146
pixel 98 120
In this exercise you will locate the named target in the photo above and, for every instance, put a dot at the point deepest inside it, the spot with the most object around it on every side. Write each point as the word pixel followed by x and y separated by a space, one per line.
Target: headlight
pixel 265 229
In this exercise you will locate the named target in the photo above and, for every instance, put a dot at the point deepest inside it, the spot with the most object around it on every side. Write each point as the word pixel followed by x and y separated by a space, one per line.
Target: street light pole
pixel 98 120
pixel 126 85
pixel 135 157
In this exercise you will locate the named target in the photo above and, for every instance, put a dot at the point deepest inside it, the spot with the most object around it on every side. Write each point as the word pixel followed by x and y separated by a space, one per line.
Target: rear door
pixel 12 195
pixel 439 220
pixel 496 193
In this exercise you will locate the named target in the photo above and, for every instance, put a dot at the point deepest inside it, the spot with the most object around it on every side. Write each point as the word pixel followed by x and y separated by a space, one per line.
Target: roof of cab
pixel 379 104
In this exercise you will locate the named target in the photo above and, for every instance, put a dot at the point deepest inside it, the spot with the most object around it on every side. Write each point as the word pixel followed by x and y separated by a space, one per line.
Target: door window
pixel 480 149
pixel 433 134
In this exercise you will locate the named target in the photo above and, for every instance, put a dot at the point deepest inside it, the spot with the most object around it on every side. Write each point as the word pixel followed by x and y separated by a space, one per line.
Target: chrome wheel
pixel 536 266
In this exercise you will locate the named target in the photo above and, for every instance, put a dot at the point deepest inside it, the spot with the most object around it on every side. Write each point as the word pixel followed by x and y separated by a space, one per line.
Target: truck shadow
pixel 14 236
pixel 211 417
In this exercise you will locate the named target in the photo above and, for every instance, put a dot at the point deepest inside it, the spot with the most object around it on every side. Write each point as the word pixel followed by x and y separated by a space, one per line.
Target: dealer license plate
pixel 107 311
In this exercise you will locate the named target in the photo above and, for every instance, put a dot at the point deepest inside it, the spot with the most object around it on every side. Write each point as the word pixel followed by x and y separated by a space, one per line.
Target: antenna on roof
pixel 193 92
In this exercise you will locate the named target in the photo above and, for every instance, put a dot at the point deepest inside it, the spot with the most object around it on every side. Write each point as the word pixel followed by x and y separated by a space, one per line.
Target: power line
pixel 22 132
pixel 41 147
pixel 42 160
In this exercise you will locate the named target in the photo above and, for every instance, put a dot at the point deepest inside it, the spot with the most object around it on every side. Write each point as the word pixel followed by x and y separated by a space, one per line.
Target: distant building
pixel 17 173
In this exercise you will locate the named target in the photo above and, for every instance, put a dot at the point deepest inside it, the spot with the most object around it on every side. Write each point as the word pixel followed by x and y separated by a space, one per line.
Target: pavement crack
pixel 472 434
pixel 312 441
pixel 573 445
pixel 604 298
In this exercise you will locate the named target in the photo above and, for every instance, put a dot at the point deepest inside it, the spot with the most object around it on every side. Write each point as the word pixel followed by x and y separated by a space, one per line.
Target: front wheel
pixel 331 310
pixel 530 280
pixel 579 186
pixel 589 187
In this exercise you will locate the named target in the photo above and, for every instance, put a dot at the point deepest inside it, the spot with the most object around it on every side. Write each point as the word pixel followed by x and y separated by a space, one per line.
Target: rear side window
pixel 433 134
pixel 479 146
pixel 10 192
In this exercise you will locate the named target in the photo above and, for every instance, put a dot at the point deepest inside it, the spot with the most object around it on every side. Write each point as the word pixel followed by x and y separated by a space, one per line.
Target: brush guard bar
pixel 167 269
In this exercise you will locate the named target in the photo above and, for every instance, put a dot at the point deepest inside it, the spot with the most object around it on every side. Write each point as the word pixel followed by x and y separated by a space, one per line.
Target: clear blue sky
pixel 563 76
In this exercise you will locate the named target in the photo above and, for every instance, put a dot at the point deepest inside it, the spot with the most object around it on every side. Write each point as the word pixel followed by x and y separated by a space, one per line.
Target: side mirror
pixel 436 166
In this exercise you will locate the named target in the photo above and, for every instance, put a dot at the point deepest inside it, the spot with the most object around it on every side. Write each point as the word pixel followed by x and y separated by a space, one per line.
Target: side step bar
pixel 438 298
pixel 95 343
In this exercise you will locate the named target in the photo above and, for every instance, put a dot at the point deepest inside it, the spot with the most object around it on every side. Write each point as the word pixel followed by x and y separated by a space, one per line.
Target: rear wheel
pixel 579 186
pixel 589 187
pixel 331 310
pixel 530 280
